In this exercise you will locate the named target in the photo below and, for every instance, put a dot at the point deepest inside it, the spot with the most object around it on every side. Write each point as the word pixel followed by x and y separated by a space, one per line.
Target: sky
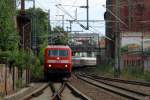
pixel 96 12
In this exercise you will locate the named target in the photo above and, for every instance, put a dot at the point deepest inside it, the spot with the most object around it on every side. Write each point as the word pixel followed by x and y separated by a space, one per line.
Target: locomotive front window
pixel 53 53
pixel 63 53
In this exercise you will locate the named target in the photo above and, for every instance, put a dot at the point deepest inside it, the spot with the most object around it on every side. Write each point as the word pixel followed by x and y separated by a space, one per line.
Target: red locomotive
pixel 57 61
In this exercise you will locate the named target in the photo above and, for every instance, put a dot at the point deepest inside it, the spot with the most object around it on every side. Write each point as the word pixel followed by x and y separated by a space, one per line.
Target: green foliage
pixel 36 70
pixel 105 69
pixel 18 58
pixel 124 49
pixel 4 54
pixel 135 73
pixel 129 73
pixel 147 75
pixel 18 83
pixel 58 29
pixel 62 36
pixel 41 53
pixel 132 73
pixel 2 95
pixel 9 38
pixel 8 35
pixel 40 19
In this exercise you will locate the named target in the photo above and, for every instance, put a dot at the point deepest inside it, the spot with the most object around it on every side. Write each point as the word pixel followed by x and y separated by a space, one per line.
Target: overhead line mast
pixel 87 28
pixel 117 40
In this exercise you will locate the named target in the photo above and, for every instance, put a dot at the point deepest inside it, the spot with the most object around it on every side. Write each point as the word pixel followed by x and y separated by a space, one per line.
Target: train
pixel 83 61
pixel 57 61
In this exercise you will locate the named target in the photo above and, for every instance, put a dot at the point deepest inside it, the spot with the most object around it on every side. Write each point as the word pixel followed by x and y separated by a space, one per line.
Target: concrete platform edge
pixel 21 96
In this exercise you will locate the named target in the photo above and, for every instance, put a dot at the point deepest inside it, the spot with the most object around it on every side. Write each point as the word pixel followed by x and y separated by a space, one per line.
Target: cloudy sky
pixel 96 12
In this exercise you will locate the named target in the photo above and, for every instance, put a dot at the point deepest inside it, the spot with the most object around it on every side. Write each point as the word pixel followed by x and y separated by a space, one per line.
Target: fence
pixel 9 79
pixel 136 60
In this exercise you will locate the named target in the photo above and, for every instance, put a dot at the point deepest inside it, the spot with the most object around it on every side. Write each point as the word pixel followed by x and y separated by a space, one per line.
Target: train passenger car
pixel 76 61
pixel 83 61
pixel 57 61
pixel 88 61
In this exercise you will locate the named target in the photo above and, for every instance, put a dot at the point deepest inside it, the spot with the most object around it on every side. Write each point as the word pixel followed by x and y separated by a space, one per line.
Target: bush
pixel 132 73
pixel 36 71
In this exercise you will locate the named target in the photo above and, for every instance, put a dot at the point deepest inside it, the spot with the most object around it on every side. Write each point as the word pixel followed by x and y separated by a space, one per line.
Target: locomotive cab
pixel 58 61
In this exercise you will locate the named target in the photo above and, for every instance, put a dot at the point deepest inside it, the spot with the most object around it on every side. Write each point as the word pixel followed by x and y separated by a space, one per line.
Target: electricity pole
pixel 70 23
pixel 63 29
pixel 63 24
pixel 87 15
pixel 34 29
pixel 22 7
pixel 49 29
pixel 87 4
pixel 117 39
pixel 130 13
pixel 76 16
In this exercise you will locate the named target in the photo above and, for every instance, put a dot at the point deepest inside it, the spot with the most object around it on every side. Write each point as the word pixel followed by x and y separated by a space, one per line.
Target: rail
pixel 127 93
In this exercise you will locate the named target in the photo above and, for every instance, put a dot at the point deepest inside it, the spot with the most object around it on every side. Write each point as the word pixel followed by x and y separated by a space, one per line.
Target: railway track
pixel 117 80
pixel 59 91
pixel 108 86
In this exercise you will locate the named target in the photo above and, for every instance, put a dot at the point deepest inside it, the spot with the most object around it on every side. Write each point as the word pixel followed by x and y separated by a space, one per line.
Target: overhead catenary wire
pixel 79 22
pixel 74 2
pixel 103 36
pixel 68 13
pixel 115 16
pixel 73 18
pixel 56 28
pixel 62 9
pixel 18 3
pixel 41 5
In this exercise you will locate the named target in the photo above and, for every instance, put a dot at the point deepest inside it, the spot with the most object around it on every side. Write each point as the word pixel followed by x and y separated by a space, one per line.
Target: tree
pixel 8 34
pixel 61 36
pixel 41 24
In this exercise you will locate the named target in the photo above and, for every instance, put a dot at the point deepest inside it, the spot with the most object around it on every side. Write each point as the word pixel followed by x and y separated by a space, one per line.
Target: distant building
pixel 84 44
pixel 102 43
pixel 84 39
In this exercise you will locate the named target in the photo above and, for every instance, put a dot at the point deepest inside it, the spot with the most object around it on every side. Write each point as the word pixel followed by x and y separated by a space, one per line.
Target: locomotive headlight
pixel 66 66
pixel 49 65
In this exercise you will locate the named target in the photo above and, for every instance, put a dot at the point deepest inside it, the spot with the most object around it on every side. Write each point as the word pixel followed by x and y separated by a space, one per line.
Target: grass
pixel 147 76
pixel 1 96
pixel 104 70
pixel 132 73
pixel 19 83
pixel 129 73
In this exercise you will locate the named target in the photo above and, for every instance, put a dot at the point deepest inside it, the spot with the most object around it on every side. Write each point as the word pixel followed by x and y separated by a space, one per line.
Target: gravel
pixel 94 92
pixel 138 88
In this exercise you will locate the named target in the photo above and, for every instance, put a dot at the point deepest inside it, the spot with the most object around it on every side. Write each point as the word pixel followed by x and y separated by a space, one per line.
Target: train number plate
pixel 58 61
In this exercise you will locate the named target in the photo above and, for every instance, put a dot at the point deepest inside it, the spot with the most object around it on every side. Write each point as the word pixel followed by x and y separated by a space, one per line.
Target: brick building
pixel 134 13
